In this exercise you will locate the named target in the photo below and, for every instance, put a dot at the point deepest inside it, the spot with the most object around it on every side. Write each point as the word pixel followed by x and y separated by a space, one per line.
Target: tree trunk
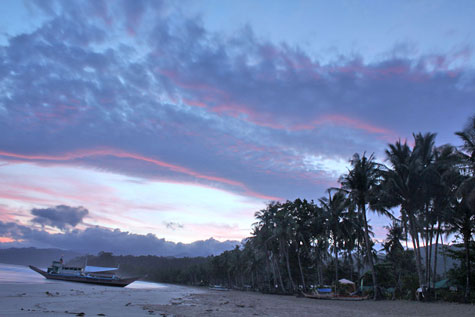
pixel 252 279
pixel 444 255
pixel 351 265
pixel 429 267
pixel 279 275
pixel 466 242
pixel 427 253
pixel 336 266
pixel 286 254
pixel 358 259
pixel 417 254
pixel 301 270
pixel 369 255
pixel 436 251
pixel 268 271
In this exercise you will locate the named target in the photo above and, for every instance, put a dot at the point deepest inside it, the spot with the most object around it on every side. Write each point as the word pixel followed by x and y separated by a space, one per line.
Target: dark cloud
pixel 173 225
pixel 61 217
pixel 253 117
pixel 96 239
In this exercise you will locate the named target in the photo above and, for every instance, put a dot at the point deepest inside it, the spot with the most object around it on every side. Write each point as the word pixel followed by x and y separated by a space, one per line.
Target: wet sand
pixel 234 303
pixel 59 298
pixel 74 299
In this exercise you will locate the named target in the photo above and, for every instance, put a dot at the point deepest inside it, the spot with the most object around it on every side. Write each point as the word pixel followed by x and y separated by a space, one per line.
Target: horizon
pixel 139 123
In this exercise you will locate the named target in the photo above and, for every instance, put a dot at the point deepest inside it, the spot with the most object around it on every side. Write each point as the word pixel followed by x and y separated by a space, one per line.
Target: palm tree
pixel 464 220
pixel 303 211
pixel 467 152
pixel 319 240
pixel 468 137
pixel 265 237
pixel 403 186
pixel 362 185
pixel 395 250
pixel 443 191
pixel 284 228
pixel 334 206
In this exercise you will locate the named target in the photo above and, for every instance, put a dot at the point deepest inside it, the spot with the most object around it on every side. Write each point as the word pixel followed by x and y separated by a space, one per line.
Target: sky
pixel 132 123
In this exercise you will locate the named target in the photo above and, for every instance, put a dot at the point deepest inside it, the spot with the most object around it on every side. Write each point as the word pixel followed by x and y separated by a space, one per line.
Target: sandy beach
pixel 234 303
pixel 58 298
pixel 65 298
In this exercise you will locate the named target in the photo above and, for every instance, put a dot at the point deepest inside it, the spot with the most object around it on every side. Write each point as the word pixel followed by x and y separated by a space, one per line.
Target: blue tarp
pixel 94 269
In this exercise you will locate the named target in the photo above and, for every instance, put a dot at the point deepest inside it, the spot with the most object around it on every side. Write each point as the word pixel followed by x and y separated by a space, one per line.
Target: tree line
pixel 432 188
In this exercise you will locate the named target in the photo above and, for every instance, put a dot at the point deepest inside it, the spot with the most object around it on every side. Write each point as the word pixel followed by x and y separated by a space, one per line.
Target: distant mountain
pixel 444 263
pixel 93 240
pixel 43 257
pixel 34 256
pixel 202 248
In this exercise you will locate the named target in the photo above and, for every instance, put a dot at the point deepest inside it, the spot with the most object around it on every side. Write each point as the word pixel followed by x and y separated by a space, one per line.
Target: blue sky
pixel 182 119
pixel 370 29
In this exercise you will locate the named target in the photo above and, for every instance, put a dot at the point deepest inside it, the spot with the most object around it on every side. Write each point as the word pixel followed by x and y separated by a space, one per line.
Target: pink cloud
pixel 194 103
pixel 218 231
pixel 122 154
pixel 6 215
pixel 27 198
pixel 220 102
pixel 345 121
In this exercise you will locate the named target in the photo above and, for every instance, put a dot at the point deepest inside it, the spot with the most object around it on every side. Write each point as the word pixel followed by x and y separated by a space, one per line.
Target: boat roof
pixel 345 281
pixel 94 269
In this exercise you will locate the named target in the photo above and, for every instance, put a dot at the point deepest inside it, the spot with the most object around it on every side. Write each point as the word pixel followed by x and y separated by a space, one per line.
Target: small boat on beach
pixel 219 288
pixel 332 296
pixel 327 292
pixel 93 275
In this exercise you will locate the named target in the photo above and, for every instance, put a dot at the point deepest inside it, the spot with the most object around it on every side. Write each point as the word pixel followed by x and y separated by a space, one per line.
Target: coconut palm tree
pixel 334 206
pixel 394 250
pixel 319 241
pixel 265 237
pixel 302 211
pixel 464 219
pixel 362 185
pixel 463 222
pixel 404 187
pixel 468 137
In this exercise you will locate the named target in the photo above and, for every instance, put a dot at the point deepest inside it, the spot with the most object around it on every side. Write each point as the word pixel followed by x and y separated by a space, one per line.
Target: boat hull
pixel 335 297
pixel 86 279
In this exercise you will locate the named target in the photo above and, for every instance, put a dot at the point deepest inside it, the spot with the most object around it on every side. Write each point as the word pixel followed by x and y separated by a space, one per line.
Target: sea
pixel 10 273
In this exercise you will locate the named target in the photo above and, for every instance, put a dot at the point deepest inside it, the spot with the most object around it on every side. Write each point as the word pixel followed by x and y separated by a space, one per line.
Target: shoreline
pixel 76 299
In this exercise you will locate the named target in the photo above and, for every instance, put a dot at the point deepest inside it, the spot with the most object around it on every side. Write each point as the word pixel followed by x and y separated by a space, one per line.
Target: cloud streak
pixel 122 154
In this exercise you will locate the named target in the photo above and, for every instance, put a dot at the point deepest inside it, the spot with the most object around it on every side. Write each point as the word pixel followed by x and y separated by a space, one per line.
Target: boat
pixel 89 274
pixel 219 288
pixel 332 296
pixel 327 292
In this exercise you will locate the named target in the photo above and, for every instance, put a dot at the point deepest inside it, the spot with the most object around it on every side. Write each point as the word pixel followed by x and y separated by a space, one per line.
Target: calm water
pixel 10 273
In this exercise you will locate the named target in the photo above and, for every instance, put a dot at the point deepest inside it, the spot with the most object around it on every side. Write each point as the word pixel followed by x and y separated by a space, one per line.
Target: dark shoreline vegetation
pixel 296 245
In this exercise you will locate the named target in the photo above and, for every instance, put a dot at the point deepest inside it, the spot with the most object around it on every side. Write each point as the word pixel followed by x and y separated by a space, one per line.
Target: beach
pixel 235 303
pixel 60 298
pixel 25 293
pixel 73 299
